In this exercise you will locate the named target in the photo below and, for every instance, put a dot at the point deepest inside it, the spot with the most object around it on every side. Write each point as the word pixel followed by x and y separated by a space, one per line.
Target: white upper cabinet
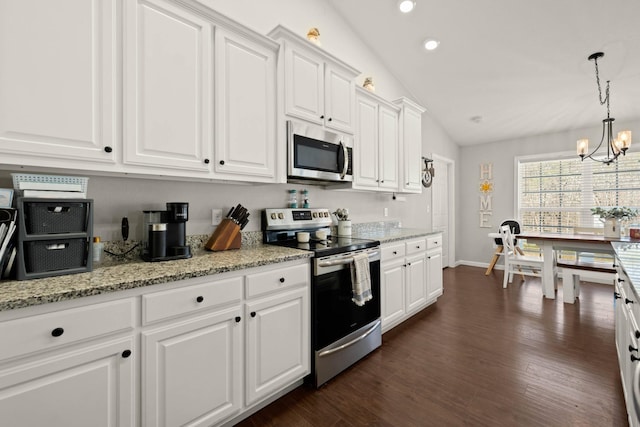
pixel 317 86
pixel 411 145
pixel 389 146
pixel 200 94
pixel 168 94
pixel 246 110
pixel 58 83
pixel 304 80
pixel 377 143
pixel 339 98
pixel 366 158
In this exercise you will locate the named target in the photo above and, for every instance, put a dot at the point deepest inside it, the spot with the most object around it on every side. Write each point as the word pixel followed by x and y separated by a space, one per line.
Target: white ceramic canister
pixel 344 228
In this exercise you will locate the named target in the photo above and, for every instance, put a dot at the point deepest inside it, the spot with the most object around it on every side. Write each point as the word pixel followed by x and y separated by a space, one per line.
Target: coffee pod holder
pixel 226 236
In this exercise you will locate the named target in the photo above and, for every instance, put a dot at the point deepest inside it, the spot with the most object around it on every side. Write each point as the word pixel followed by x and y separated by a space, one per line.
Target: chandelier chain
pixel 606 98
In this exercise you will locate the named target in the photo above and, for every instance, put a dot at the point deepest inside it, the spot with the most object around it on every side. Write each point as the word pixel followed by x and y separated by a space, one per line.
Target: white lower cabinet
pixel 409 280
pixel 627 340
pixel 215 348
pixel 434 267
pixel 91 386
pixel 416 282
pixel 73 367
pixel 393 293
pixel 192 370
pixel 278 343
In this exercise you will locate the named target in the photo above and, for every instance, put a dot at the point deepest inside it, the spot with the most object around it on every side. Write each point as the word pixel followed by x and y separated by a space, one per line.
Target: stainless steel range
pixel 341 331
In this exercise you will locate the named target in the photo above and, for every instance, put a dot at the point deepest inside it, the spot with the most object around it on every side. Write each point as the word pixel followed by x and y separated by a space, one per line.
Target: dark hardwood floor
pixel 480 356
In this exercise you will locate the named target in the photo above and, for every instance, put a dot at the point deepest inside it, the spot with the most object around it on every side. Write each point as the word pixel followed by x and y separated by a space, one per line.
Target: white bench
pixel 571 277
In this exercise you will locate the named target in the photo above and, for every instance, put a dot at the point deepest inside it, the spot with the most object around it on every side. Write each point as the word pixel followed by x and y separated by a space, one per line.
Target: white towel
pixel 361 279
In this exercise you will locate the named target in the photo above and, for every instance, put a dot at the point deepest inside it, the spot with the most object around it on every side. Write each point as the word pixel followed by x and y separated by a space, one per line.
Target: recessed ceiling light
pixel 406 6
pixel 431 44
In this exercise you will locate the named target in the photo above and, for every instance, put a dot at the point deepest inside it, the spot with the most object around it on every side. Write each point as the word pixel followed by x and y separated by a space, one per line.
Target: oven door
pixel 334 314
pixel 315 153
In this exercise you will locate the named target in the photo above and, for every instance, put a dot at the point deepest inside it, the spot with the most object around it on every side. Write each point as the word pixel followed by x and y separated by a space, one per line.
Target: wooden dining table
pixel 550 242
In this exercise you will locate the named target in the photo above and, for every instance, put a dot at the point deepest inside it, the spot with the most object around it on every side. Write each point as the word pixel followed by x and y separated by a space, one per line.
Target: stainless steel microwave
pixel 316 154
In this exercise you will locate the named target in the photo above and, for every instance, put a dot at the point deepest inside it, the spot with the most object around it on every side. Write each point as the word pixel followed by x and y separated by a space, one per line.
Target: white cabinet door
pixel 58 83
pixel 92 386
pixel 192 370
pixel 416 279
pixel 339 99
pixel 392 289
pixel 412 151
pixel 366 155
pixel 434 274
pixel 389 148
pixel 411 143
pixel 377 143
pixel 168 94
pixel 245 109
pixel 304 85
pixel 278 343
pixel 317 86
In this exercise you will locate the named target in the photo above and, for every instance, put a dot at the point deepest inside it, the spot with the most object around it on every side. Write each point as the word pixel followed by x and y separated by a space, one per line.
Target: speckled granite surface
pixel 118 273
pixel 135 274
pixel 629 256
pixel 387 232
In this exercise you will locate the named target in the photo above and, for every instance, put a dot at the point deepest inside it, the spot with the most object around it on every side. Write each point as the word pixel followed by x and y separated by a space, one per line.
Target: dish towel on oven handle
pixel 361 279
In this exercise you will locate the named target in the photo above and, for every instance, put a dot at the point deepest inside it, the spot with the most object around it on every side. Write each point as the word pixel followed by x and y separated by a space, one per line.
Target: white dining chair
pixel 515 261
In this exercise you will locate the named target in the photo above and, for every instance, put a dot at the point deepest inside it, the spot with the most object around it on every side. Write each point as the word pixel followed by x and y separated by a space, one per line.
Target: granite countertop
pixel 135 273
pixel 18 294
pixel 387 235
pixel 629 256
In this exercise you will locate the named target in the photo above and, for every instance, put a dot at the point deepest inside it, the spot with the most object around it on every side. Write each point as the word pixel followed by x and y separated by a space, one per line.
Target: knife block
pixel 226 236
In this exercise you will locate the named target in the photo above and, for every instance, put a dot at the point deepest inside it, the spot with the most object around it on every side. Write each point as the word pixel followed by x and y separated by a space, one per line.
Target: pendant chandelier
pixel 615 146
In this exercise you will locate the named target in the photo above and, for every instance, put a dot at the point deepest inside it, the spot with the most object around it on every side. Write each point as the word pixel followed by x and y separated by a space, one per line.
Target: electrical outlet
pixel 216 216
pixel 386 211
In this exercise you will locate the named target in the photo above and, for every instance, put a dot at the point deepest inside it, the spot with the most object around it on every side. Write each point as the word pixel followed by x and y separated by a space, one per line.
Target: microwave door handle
pixel 345 155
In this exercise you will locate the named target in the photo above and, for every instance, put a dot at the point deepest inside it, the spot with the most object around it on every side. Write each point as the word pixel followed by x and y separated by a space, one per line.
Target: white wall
pixel 118 197
pixel 473 245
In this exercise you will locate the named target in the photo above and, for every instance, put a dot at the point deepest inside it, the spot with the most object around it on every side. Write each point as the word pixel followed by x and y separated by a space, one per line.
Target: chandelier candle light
pixel 614 146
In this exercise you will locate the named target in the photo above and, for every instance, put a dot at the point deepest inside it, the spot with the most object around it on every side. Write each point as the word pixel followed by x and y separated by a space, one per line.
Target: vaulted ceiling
pixel 519 66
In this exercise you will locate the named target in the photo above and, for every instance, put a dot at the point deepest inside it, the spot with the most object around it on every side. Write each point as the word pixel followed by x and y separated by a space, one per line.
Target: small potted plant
pixel 611 217
pixel 344 223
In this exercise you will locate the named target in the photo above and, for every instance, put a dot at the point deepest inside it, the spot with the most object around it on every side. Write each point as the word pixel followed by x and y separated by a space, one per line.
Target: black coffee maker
pixel 164 233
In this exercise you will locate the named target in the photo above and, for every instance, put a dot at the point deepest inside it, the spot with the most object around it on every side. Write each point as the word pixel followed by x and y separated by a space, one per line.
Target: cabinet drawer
pixel 176 302
pixel 276 279
pixel 416 245
pixel 391 252
pixel 47 331
pixel 434 242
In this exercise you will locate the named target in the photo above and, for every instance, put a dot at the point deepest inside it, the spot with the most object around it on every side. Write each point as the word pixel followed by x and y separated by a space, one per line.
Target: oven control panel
pixel 287 218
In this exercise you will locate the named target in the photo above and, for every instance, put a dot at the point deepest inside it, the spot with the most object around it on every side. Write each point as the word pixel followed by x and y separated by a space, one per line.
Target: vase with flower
pixel 612 218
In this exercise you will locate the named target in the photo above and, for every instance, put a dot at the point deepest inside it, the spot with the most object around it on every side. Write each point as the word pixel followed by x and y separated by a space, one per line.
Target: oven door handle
pixel 341 261
pixel 350 343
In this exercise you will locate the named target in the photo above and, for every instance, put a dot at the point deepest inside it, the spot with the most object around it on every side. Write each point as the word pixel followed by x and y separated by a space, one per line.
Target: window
pixel 556 195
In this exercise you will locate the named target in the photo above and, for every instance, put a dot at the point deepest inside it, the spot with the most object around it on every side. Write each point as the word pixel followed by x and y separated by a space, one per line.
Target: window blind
pixel 556 194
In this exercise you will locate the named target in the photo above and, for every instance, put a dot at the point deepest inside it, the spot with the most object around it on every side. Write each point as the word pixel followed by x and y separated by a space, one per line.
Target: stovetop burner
pixel 280 227
pixel 333 245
